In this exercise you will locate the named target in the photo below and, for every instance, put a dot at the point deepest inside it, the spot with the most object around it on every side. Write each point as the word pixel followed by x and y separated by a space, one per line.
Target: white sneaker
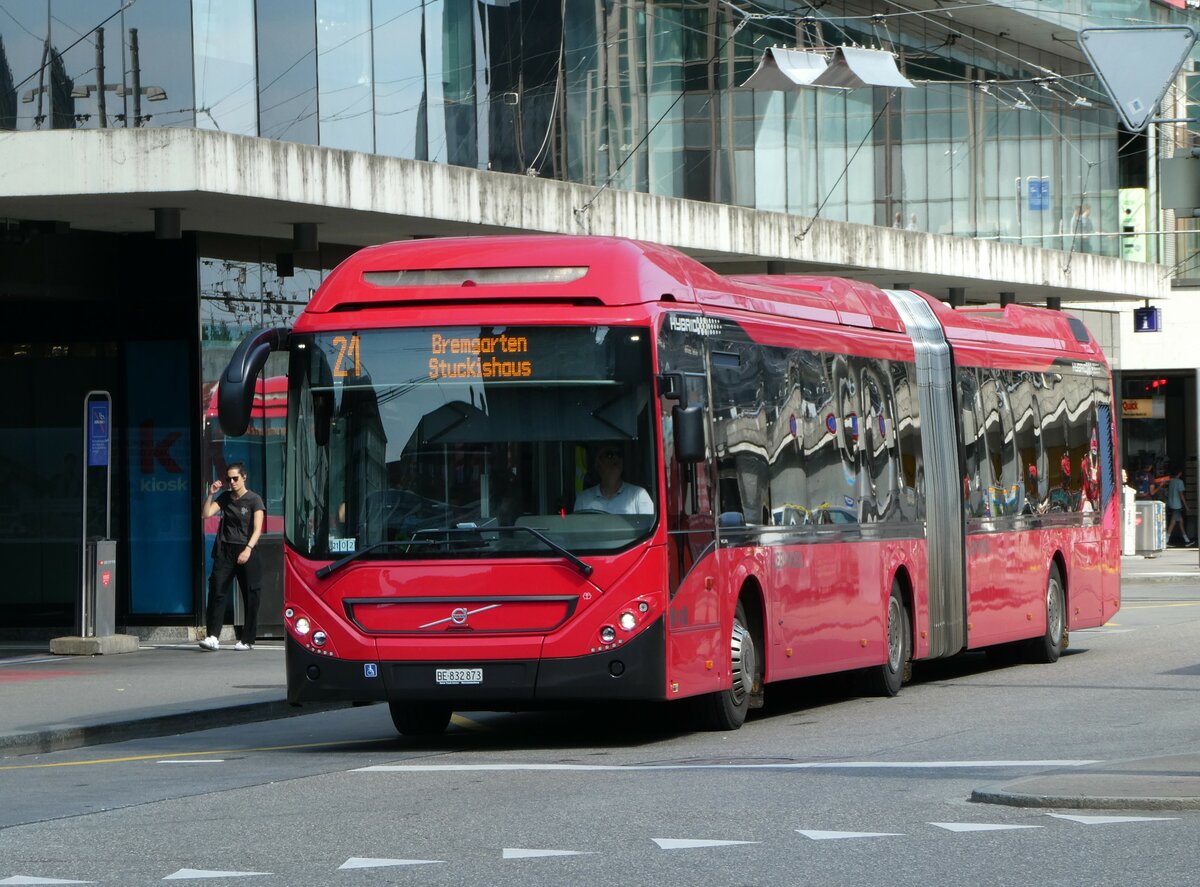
pixel 240 646
pixel 210 643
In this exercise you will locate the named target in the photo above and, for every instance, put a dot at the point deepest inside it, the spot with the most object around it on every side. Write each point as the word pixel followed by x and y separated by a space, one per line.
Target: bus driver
pixel 612 494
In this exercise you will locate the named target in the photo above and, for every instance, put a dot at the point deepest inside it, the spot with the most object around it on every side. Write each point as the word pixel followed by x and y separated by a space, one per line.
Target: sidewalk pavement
pixel 52 703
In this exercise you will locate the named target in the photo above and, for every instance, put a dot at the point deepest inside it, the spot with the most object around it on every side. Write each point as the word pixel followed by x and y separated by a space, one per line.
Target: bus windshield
pixel 444 442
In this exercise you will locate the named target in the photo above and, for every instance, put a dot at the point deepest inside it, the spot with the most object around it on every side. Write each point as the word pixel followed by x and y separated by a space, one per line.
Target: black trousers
pixel 249 577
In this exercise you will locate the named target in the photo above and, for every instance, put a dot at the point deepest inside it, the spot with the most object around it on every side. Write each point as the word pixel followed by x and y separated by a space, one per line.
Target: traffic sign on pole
pixel 1136 65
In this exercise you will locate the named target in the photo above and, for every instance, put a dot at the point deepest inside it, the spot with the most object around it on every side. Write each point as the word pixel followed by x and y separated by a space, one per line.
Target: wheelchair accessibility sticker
pixel 370 670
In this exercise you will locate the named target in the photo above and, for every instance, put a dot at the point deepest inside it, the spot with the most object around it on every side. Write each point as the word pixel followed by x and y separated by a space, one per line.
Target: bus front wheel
pixel 726 709
pixel 420 718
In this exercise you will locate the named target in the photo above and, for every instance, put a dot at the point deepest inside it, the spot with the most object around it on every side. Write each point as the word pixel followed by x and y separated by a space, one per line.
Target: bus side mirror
pixel 235 391
pixel 688 430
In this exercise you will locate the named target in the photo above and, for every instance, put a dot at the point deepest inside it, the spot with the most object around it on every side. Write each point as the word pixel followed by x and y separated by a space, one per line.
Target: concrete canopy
pixel 112 180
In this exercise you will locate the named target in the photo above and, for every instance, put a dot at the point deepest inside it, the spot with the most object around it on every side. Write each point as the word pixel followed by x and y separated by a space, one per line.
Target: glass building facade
pixel 998 139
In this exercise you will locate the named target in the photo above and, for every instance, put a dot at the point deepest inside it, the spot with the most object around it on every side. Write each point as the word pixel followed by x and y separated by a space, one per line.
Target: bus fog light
pixel 608 634
pixel 643 606
pixel 628 621
pixel 319 638
pixel 289 612
pixel 302 625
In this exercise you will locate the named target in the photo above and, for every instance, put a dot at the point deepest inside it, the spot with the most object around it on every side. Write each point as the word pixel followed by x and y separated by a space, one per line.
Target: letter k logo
pixel 151 451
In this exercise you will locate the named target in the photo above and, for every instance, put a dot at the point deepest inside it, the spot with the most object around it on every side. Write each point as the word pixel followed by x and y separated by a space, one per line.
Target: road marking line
pixel 694 843
pixel 839 836
pixel 1160 606
pixel 468 724
pixel 193 761
pixel 187 874
pixel 524 853
pixel 809 765
pixel 367 862
pixel 1108 820
pixel 223 751
pixel 978 826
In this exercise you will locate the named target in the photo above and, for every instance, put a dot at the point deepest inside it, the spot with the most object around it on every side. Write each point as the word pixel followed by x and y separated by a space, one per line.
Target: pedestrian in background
pixel 1177 506
pixel 242 514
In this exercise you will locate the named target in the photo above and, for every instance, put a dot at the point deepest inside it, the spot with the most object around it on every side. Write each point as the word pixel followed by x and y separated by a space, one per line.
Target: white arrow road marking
pixel 691 843
pixel 29 879
pixel 802 765
pixel 185 874
pixel 837 836
pixel 978 826
pixel 367 862
pixel 521 853
pixel 1107 820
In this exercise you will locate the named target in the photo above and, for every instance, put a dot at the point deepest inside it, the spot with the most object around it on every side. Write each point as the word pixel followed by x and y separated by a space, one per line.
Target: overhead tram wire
pixel 581 211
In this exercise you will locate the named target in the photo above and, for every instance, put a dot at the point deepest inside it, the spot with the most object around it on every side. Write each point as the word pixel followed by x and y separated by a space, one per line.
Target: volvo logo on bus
pixel 458 617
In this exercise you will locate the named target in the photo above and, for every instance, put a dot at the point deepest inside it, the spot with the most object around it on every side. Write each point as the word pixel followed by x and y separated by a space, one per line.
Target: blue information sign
pixel 97 434
pixel 1039 194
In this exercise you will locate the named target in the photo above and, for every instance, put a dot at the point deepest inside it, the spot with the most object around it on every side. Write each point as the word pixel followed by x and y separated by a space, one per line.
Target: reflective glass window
pixel 164 64
pixel 287 70
pixel 401 102
pixel 224 65
pixel 344 78
pixel 23 71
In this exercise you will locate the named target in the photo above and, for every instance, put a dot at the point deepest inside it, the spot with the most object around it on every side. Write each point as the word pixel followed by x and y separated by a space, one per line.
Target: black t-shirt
pixel 237 516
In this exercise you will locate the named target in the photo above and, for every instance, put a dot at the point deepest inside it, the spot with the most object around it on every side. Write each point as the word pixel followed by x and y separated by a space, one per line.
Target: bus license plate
pixel 458 675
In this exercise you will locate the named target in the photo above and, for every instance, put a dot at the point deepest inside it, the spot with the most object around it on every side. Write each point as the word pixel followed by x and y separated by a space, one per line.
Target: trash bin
pixel 101 618
pixel 1129 522
pixel 1151 526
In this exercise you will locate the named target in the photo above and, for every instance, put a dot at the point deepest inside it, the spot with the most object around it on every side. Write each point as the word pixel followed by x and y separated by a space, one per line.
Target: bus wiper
pixel 583 567
pixel 463 529
pixel 353 556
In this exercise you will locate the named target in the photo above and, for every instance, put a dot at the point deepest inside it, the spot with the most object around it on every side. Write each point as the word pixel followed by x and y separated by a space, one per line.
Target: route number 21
pixel 347 350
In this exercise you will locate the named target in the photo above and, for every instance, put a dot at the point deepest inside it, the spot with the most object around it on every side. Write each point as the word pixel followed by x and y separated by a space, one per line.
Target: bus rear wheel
pixel 887 679
pixel 420 718
pixel 1049 646
pixel 726 709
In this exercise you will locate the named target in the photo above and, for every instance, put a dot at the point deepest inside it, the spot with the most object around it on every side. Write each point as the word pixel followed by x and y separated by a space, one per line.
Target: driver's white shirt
pixel 629 499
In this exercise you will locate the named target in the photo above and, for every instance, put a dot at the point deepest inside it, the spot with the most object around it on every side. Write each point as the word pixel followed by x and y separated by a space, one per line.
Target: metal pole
pixel 83 557
pixel 101 103
pixel 87 615
pixel 136 77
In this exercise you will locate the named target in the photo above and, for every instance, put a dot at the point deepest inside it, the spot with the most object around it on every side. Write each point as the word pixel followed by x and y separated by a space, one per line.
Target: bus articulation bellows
pixel 832 477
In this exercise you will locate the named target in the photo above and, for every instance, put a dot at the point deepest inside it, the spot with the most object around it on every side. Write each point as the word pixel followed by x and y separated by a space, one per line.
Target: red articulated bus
pixel 528 470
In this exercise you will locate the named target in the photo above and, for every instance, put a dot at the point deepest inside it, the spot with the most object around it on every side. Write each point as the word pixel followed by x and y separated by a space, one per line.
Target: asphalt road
pixel 821 787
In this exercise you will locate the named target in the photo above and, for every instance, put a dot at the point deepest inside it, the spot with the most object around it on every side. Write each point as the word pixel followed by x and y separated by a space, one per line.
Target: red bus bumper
pixel 636 670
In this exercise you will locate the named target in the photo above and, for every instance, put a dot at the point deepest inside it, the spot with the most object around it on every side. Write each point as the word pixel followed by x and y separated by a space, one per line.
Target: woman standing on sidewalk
pixel 242 513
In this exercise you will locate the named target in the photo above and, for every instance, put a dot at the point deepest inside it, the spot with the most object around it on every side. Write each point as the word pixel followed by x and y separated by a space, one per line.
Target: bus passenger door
pixel 694 648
